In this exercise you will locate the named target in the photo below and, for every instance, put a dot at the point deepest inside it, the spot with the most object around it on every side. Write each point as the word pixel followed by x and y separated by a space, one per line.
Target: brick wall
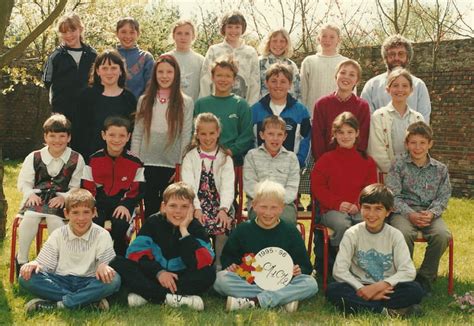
pixel 449 80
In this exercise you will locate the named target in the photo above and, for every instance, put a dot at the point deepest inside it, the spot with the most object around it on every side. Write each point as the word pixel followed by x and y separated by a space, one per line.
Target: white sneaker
pixel 239 303
pixel 192 301
pixel 135 300
pixel 291 306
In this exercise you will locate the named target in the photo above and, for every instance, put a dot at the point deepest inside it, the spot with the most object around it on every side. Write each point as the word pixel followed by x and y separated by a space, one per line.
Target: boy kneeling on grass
pixel 171 259
pixel 373 268
pixel 266 230
pixel 72 268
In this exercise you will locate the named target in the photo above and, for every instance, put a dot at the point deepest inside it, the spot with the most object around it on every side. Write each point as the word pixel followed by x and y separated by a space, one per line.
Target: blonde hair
pixel 332 27
pixel 70 21
pixel 179 190
pixel 265 48
pixel 269 190
pixel 183 22
pixel 79 197
pixel 397 72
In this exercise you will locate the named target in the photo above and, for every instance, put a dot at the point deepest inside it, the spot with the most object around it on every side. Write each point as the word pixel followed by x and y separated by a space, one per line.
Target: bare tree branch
pixel 12 53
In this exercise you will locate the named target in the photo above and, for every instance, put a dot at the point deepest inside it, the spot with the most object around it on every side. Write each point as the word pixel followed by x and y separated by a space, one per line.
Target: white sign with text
pixel 276 268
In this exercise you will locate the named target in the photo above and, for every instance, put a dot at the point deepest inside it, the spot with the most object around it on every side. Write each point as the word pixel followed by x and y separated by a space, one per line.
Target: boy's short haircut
pixel 128 20
pixel 419 128
pixel 279 68
pixel 273 120
pixel 79 197
pixel 267 189
pixel 179 190
pixel 184 22
pixel 117 121
pixel 70 21
pixel 57 123
pixel 394 41
pixel 225 62
pixel 234 18
pixel 377 193
pixel 397 72
pixel 350 62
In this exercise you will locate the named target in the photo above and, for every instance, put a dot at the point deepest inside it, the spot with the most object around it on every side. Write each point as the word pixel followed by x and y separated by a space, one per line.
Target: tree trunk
pixel 3 202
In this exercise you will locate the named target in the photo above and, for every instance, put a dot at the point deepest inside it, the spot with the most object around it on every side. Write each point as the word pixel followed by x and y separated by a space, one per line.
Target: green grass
pixel 459 217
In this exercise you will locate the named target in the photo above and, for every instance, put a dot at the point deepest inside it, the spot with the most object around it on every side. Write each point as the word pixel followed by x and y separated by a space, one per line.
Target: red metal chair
pixel 39 242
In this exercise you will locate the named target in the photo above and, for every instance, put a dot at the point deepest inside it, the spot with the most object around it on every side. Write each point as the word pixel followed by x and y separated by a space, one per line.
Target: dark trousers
pixel 190 282
pixel 344 296
pixel 157 178
pixel 118 231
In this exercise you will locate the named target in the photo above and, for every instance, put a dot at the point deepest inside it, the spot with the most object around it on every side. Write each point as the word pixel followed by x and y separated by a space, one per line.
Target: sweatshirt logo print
pixel 233 116
pixel 374 263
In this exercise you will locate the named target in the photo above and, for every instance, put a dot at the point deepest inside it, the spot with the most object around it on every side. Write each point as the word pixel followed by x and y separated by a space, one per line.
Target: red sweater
pixel 326 109
pixel 340 175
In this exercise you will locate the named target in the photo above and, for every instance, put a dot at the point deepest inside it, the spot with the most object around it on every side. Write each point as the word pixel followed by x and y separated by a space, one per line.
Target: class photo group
pixel 175 176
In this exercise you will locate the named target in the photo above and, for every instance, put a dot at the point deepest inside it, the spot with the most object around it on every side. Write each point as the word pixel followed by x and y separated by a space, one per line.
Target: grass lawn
pixel 459 217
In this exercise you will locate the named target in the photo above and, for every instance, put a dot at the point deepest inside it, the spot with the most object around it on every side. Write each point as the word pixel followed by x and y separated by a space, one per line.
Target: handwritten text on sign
pixel 277 268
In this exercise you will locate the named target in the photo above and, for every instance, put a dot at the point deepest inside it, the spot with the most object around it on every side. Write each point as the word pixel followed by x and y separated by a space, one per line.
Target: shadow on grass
pixel 6 316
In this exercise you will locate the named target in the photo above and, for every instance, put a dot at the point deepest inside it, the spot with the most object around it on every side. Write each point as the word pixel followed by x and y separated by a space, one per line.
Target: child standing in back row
pixel 247 81
pixel 210 172
pixel 190 62
pixel 277 49
pixel 162 129
pixel 317 71
pixel 139 62
pixel 66 71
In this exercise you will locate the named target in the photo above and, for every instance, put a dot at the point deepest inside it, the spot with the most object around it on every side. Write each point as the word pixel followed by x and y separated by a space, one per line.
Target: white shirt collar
pixel 46 157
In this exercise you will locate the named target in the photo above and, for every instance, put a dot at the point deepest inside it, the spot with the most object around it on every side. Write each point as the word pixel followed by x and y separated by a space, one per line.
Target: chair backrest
pixel 239 189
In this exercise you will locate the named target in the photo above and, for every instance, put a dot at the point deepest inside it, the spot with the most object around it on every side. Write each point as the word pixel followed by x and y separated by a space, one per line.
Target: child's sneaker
pixel 40 304
pixel 291 306
pixel 135 300
pixel 102 305
pixel 239 303
pixel 192 301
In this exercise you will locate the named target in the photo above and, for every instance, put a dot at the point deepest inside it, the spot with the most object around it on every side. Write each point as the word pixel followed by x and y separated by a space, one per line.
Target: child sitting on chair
pixel 422 189
pixel 45 178
pixel 266 230
pixel 274 162
pixel 115 177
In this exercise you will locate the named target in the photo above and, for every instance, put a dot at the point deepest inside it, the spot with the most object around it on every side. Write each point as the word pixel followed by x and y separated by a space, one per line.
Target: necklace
pixel 163 95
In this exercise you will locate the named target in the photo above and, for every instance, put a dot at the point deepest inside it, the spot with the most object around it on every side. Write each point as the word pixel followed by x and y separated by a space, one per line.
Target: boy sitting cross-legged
pixel 115 177
pixel 72 269
pixel 266 230
pixel 171 259
pixel 274 162
pixel 373 268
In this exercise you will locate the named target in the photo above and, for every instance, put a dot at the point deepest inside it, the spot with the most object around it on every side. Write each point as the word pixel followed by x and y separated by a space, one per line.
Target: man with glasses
pixel 397 51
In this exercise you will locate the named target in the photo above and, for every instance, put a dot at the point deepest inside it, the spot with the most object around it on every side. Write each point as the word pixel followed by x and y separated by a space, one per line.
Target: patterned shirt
pixel 64 253
pixel 427 187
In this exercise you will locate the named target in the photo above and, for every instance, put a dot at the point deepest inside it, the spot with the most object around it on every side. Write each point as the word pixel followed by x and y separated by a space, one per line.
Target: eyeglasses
pixel 393 54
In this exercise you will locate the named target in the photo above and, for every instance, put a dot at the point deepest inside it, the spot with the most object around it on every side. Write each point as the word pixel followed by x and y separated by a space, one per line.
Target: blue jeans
pixel 73 291
pixel 345 297
pixel 301 287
